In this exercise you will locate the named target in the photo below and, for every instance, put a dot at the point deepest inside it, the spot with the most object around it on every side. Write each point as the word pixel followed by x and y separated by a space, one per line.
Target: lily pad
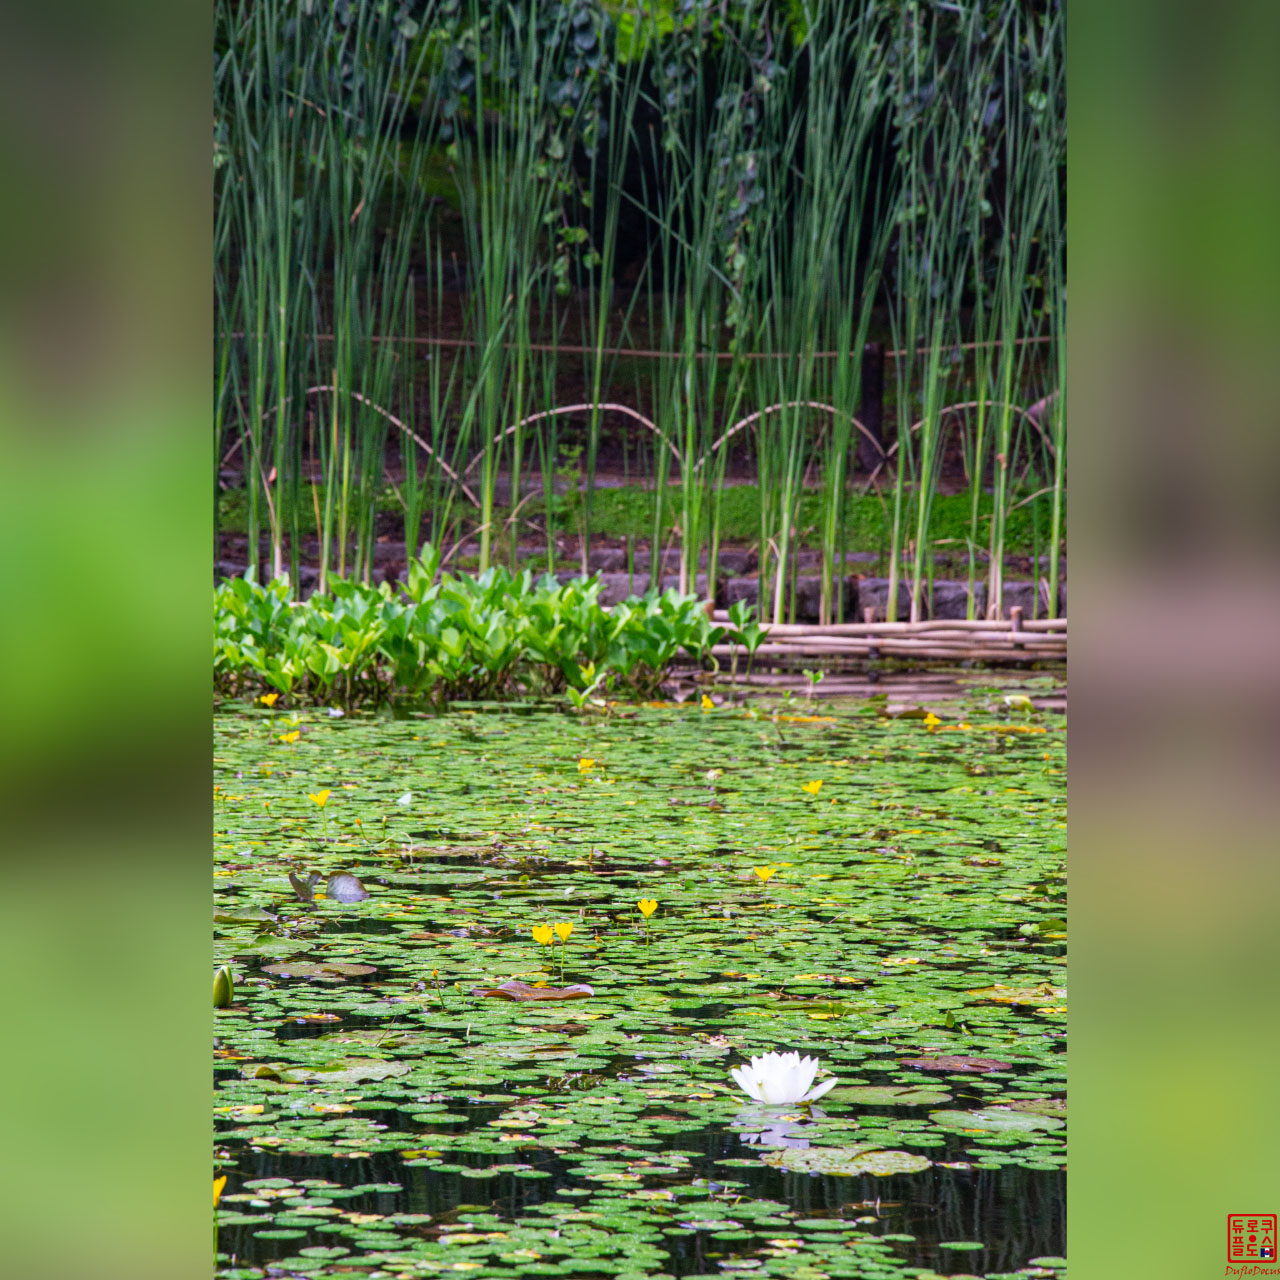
pixel 889 1096
pixel 242 915
pixel 1020 995
pixel 845 1161
pixel 516 990
pixel 995 1120
pixel 957 1064
pixel 346 1071
pixel 1040 1106
pixel 311 969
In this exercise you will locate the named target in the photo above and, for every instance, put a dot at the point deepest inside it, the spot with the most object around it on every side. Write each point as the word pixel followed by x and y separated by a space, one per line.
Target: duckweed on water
pixel 378 1120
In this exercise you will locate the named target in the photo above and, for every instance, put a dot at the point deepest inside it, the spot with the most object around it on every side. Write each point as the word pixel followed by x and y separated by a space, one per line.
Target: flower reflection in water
pixel 764 1127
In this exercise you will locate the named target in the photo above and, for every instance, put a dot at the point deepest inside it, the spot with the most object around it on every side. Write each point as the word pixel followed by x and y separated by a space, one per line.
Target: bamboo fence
pixel 1011 639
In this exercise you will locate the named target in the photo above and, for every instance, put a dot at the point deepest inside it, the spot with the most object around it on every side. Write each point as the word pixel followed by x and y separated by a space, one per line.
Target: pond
pixel 853 880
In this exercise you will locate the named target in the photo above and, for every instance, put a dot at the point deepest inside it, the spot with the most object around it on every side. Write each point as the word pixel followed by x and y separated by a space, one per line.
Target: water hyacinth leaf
pixel 845 1161
pixel 517 990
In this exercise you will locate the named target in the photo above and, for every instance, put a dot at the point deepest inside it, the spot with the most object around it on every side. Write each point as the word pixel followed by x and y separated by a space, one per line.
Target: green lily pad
pixel 845 1161
pixel 346 1071
pixel 332 969
pixel 1044 993
pixel 888 1096
pixel 995 1120
pixel 242 915
pixel 1040 1106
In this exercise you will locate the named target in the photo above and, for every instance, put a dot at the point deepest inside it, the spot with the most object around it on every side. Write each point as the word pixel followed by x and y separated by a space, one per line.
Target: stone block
pixel 951 599
pixel 874 593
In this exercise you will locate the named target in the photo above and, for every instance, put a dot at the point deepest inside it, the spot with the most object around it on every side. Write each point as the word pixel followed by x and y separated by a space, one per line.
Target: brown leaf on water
pixel 957 1065
pixel 515 990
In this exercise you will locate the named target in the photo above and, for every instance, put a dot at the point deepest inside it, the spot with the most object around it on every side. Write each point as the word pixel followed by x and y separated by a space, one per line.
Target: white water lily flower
pixel 780 1078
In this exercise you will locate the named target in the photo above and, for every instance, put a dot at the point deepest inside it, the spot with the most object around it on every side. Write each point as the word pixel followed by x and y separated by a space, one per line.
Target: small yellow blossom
pixel 586 764
pixel 707 704
pixel 931 722
pixel 268 699
pixel 647 907
pixel 320 798
pixel 812 787
pixel 542 934
pixel 765 872
pixel 290 737
pixel 563 929
pixel 218 1184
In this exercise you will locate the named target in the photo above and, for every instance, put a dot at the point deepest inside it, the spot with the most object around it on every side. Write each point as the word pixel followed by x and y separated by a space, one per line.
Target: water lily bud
pixel 224 990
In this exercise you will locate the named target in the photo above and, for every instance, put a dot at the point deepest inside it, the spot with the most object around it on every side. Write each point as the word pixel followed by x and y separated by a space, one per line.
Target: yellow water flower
pixel 563 929
pixel 268 699
pixel 647 906
pixel 290 737
pixel 812 787
pixel 931 722
pixel 320 798
pixel 586 764
pixel 218 1184
pixel 764 873
pixel 542 934
pixel 707 704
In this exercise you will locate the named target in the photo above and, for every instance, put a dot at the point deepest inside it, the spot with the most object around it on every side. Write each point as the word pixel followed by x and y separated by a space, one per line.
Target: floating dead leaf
pixel 957 1064
pixel 516 990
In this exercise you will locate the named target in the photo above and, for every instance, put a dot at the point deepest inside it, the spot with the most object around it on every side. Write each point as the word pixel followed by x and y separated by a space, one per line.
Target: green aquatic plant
pixel 590 1121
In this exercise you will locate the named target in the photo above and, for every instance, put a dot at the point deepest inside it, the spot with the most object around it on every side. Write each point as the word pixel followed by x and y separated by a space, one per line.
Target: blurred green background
pixel 1174 684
